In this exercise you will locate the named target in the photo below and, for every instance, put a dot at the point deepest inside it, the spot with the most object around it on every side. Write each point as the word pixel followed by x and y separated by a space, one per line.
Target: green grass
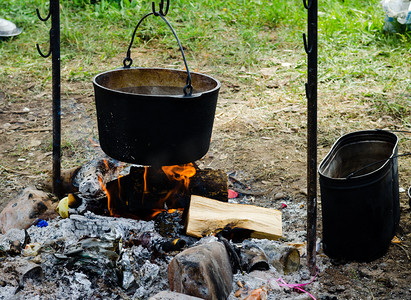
pixel 354 51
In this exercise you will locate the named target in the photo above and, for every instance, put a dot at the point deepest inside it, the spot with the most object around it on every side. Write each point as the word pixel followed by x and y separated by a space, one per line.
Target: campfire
pixel 146 220
pixel 147 229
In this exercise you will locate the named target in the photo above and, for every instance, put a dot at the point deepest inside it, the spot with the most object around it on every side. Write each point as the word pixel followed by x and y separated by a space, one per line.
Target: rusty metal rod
pixel 311 48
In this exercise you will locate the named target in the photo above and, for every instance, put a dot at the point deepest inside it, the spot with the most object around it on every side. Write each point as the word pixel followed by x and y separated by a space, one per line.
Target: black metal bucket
pixel 360 195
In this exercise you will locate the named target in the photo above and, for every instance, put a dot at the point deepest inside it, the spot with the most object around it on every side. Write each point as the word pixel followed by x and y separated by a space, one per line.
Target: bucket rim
pixel 347 137
pixel 194 95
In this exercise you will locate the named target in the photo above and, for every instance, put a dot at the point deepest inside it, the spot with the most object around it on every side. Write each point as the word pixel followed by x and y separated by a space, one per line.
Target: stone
pixel 168 295
pixel 202 271
pixel 29 206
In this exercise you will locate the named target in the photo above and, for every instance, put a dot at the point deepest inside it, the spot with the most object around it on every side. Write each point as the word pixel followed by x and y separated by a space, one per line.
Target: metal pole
pixel 311 93
pixel 55 50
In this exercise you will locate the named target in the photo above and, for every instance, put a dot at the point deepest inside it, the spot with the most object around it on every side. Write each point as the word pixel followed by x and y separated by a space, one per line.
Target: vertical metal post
pixel 55 50
pixel 311 92
pixel 54 13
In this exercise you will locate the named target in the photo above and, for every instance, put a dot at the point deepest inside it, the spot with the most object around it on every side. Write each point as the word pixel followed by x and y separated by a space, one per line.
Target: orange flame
pixel 145 180
pixel 181 174
pixel 106 163
pixel 158 211
pixel 119 188
pixel 103 187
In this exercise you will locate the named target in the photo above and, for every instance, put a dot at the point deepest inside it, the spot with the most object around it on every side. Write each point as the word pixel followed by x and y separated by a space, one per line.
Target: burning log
pixel 86 178
pixel 145 191
pixel 283 257
pixel 206 216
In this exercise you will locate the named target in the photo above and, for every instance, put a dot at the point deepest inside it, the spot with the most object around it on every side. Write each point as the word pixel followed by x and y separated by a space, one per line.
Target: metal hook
pixel 43 19
pixel 41 53
pixel 307 50
pixel 161 11
pixel 307 6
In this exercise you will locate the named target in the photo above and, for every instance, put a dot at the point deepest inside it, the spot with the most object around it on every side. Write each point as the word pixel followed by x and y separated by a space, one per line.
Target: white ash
pixel 142 274
pixel 11 236
pixel 269 282
pixel 86 268
pixel 151 278
pixel 89 224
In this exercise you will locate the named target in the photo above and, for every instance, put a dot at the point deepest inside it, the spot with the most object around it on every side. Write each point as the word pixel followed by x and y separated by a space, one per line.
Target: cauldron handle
pixel 188 89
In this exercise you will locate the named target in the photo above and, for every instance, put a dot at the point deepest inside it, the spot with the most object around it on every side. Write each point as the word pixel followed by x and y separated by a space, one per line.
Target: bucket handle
pixel 188 89
pixel 349 176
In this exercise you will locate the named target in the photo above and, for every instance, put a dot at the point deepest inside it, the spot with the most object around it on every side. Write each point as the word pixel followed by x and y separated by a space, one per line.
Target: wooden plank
pixel 207 216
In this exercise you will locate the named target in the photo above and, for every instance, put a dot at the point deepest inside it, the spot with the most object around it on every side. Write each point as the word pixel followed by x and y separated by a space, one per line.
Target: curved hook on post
pixel 307 49
pixel 41 53
pixel 307 6
pixel 43 19
pixel 161 10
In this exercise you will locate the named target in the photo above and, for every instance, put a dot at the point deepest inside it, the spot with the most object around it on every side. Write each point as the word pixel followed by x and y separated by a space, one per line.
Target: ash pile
pixel 88 255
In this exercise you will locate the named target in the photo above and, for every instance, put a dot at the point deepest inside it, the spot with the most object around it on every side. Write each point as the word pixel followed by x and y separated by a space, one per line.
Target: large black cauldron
pixel 152 116
pixel 144 117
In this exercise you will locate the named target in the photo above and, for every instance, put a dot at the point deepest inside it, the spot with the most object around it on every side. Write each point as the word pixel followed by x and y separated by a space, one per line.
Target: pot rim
pixel 349 136
pixel 194 95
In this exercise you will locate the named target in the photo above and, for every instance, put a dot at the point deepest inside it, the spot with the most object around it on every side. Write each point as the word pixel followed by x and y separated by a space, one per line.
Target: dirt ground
pixel 259 136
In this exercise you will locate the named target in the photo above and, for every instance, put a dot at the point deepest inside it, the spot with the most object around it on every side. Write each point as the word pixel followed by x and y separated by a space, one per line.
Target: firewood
pixel 128 194
pixel 206 182
pixel 206 216
pixel 66 179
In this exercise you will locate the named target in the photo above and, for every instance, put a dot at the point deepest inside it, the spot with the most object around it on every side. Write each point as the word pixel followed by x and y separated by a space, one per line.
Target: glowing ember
pixel 156 212
pixel 150 192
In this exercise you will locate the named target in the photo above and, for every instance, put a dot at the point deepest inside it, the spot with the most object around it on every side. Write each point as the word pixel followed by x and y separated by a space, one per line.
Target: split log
pixel 206 216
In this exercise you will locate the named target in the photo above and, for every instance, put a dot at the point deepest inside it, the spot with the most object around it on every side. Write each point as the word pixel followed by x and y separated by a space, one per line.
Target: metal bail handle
pixel 127 62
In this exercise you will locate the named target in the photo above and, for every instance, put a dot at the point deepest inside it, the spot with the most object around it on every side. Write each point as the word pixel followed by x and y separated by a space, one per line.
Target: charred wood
pixel 143 191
